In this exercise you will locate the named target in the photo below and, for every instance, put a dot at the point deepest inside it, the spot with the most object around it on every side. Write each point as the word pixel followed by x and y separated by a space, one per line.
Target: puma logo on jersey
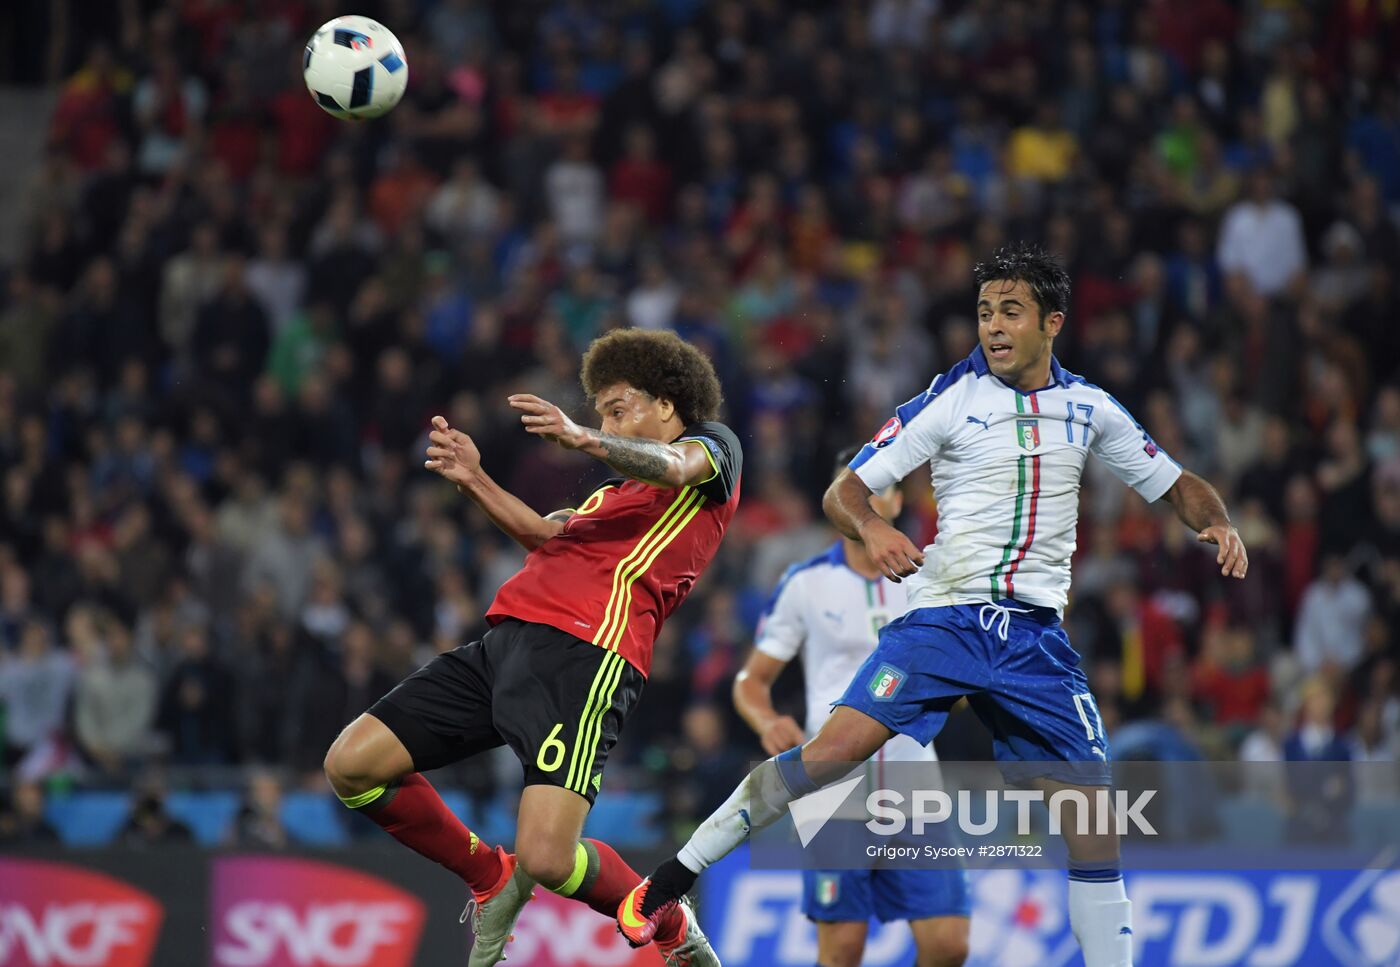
pixel 984 424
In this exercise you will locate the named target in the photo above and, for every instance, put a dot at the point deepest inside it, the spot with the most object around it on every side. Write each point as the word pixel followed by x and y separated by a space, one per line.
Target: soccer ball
pixel 355 68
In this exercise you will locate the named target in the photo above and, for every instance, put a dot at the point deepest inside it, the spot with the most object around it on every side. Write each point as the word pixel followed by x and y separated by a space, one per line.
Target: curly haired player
pixel 570 641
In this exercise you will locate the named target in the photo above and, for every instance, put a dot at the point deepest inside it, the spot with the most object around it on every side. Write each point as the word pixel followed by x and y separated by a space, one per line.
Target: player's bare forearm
pixel 516 519
pixel 650 461
pixel 1200 508
pixel 1197 503
pixel 753 699
pixel 847 505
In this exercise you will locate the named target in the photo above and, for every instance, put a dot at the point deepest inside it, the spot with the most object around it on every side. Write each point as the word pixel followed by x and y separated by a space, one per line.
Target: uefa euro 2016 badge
pixel 887 433
pixel 1028 434
pixel 885 682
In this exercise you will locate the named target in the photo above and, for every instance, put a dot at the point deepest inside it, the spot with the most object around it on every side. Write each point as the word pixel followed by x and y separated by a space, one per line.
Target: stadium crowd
pixel 234 315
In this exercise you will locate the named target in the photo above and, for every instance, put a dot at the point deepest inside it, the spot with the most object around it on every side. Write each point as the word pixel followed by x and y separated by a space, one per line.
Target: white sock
pixel 757 801
pixel 1101 916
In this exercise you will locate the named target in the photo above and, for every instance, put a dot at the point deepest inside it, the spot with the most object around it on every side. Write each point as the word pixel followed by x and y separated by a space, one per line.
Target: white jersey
pixel 1006 467
pixel 833 616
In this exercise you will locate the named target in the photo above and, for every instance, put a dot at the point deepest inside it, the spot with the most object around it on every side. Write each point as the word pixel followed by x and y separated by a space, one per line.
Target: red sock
pixel 413 813
pixel 608 879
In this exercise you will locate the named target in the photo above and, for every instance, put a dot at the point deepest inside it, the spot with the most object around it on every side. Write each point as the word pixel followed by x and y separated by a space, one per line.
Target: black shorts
pixel 558 701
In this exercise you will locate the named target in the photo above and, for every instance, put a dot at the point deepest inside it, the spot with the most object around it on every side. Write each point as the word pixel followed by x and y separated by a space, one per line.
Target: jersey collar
pixel 1058 376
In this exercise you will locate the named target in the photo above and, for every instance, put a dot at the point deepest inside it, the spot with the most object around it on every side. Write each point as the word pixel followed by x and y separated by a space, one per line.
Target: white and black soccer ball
pixel 355 68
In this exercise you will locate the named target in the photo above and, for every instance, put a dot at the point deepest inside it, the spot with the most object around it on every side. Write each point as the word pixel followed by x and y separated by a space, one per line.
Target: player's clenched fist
pixel 451 453
pixel 780 734
pixel 894 554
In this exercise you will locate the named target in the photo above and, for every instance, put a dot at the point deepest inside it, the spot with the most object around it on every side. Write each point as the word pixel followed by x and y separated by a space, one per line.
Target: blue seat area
pixel 625 819
pixel 314 819
pixel 88 818
pixel 1251 822
pixel 209 815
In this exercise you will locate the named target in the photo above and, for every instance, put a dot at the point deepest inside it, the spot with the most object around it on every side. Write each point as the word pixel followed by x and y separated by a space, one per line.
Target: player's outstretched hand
pixel 781 734
pixel 543 418
pixel 1233 560
pixel 451 453
pixel 893 553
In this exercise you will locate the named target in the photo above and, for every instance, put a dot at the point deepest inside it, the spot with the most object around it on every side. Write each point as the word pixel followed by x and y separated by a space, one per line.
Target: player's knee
pixel 347 768
pixel 942 942
pixel 547 863
pixel 950 951
pixel 842 952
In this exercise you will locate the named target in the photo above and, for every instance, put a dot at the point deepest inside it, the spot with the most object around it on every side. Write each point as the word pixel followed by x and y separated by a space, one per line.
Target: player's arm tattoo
pixel 649 461
pixel 1197 503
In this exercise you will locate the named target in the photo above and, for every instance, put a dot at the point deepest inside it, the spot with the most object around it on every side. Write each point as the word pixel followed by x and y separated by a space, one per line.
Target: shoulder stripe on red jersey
pixel 656 532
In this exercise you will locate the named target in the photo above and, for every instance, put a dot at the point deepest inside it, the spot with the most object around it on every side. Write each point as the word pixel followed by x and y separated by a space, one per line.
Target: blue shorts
pixel 830 896
pixel 1028 690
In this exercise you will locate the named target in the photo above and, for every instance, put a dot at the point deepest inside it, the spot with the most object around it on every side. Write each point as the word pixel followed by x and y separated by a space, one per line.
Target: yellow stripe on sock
pixel 575 879
pixel 364 798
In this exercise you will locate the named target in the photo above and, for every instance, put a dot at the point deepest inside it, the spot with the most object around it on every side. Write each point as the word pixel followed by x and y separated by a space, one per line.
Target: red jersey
pixel 628 556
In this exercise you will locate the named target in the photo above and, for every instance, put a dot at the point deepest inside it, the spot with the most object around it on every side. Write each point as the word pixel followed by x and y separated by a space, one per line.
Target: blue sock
pixel 794 773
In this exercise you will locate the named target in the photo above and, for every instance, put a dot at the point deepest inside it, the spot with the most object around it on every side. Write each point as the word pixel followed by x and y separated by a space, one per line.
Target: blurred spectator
pixel 150 824
pixel 276 279
pixel 168 109
pixel 231 334
pixel 1332 620
pixel 115 703
pixel 1374 748
pixel 22 821
pixel 1261 754
pixel 1261 241
pixel 259 821
pixel 284 560
pixel 87 118
pixel 1320 785
pixel 196 709
pixel 29 316
pixel 574 187
pixel 35 683
pixel 189 280
pixel 1229 678
pixel 466 207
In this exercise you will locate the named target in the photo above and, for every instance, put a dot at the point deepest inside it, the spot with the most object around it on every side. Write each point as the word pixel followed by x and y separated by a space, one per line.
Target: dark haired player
pixel 570 642
pixel 1006 432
